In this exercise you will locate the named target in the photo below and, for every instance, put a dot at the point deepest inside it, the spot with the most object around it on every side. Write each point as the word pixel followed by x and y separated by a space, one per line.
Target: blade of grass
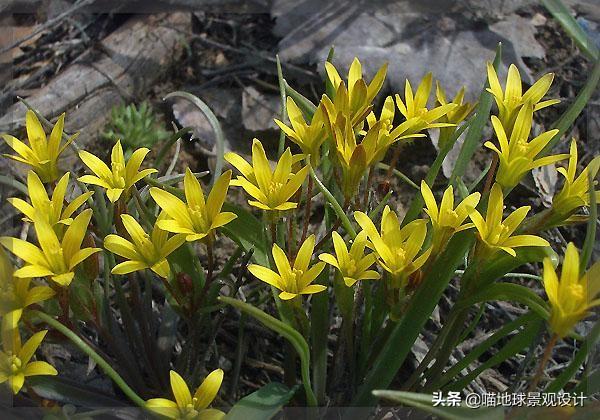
pixel 590 235
pixel 289 333
pixel 214 123
pixel 474 135
pixel 559 11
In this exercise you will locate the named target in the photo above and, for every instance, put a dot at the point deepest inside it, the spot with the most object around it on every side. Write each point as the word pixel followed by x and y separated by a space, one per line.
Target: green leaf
pixel 478 276
pixel 581 356
pixel 214 123
pixel 574 110
pixel 67 391
pixel 590 235
pixel 475 353
pixel 516 344
pixel 425 403
pixel 307 107
pixel 509 292
pixel 475 133
pixel 336 206
pixel 287 332
pixel 560 12
pixel 422 304
pixel 262 404
pixel 248 232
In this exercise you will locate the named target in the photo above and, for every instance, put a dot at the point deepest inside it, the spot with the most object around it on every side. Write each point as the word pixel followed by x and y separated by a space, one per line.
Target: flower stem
pixel 307 210
pixel 130 393
pixel 540 370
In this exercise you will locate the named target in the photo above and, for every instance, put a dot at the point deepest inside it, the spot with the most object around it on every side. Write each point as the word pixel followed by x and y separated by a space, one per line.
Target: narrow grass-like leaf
pixel 582 354
pixel 475 353
pixel 263 404
pixel 287 332
pixel 510 292
pixel 475 133
pixel 319 329
pixel 170 142
pixel 248 232
pixel 590 235
pixel 11 182
pixel 560 12
pixel 570 115
pixel 67 391
pixel 307 107
pixel 336 206
pixel 283 114
pixel 214 123
pixel 406 331
pixel 516 344
pixel 425 403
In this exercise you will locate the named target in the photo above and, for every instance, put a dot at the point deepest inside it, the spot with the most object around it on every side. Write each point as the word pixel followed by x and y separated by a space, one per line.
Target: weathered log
pixel 121 67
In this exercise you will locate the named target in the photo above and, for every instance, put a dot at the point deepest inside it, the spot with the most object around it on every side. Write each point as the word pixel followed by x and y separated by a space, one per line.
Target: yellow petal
pixel 193 191
pixel 217 195
pixel 550 282
pixel 281 261
pixel 208 390
pixel 266 275
pixel 181 392
pixel 429 201
pixel 29 348
pixel 172 205
pixel 95 165
pixel 305 254
pixel 133 165
pixel 24 250
pixel 127 267
pixel 163 407
pixel 73 238
pixel 39 368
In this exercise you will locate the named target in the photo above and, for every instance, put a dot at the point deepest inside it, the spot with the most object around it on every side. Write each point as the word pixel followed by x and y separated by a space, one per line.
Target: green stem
pixel 130 393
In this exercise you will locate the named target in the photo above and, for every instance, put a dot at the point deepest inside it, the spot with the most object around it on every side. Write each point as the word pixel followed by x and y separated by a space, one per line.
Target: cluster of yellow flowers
pixel 357 140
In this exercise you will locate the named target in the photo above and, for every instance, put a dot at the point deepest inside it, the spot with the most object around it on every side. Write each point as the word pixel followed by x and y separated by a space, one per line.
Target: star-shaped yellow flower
pixel 42 153
pixel 397 248
pixel 517 155
pixel 511 99
pixel 497 234
pixel 354 99
pixel 53 258
pixel 309 137
pixel 121 176
pixel 575 191
pixel 51 209
pixel 144 251
pixel 196 218
pixel 185 406
pixel 15 360
pixel 446 219
pixel 292 280
pixel 574 295
pixel 271 189
pixel 454 116
pixel 353 265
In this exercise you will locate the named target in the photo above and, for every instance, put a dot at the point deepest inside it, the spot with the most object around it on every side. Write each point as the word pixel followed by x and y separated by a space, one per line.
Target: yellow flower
pixel 49 209
pixel 396 247
pixel 42 153
pixel 575 191
pixel 15 360
pixel 53 258
pixel 447 220
pixel 512 98
pixel 414 107
pixel 120 176
pixel 517 155
pixel 195 218
pixel 353 265
pixel 292 280
pixel 495 233
pixel 308 137
pixel 382 134
pixel 454 116
pixel 187 407
pixel 354 99
pixel 15 294
pixel 571 297
pixel 146 251
pixel 270 189
pixel 351 157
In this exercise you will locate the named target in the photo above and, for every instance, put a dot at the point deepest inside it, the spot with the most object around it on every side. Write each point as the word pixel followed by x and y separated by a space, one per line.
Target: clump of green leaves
pixel 135 126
